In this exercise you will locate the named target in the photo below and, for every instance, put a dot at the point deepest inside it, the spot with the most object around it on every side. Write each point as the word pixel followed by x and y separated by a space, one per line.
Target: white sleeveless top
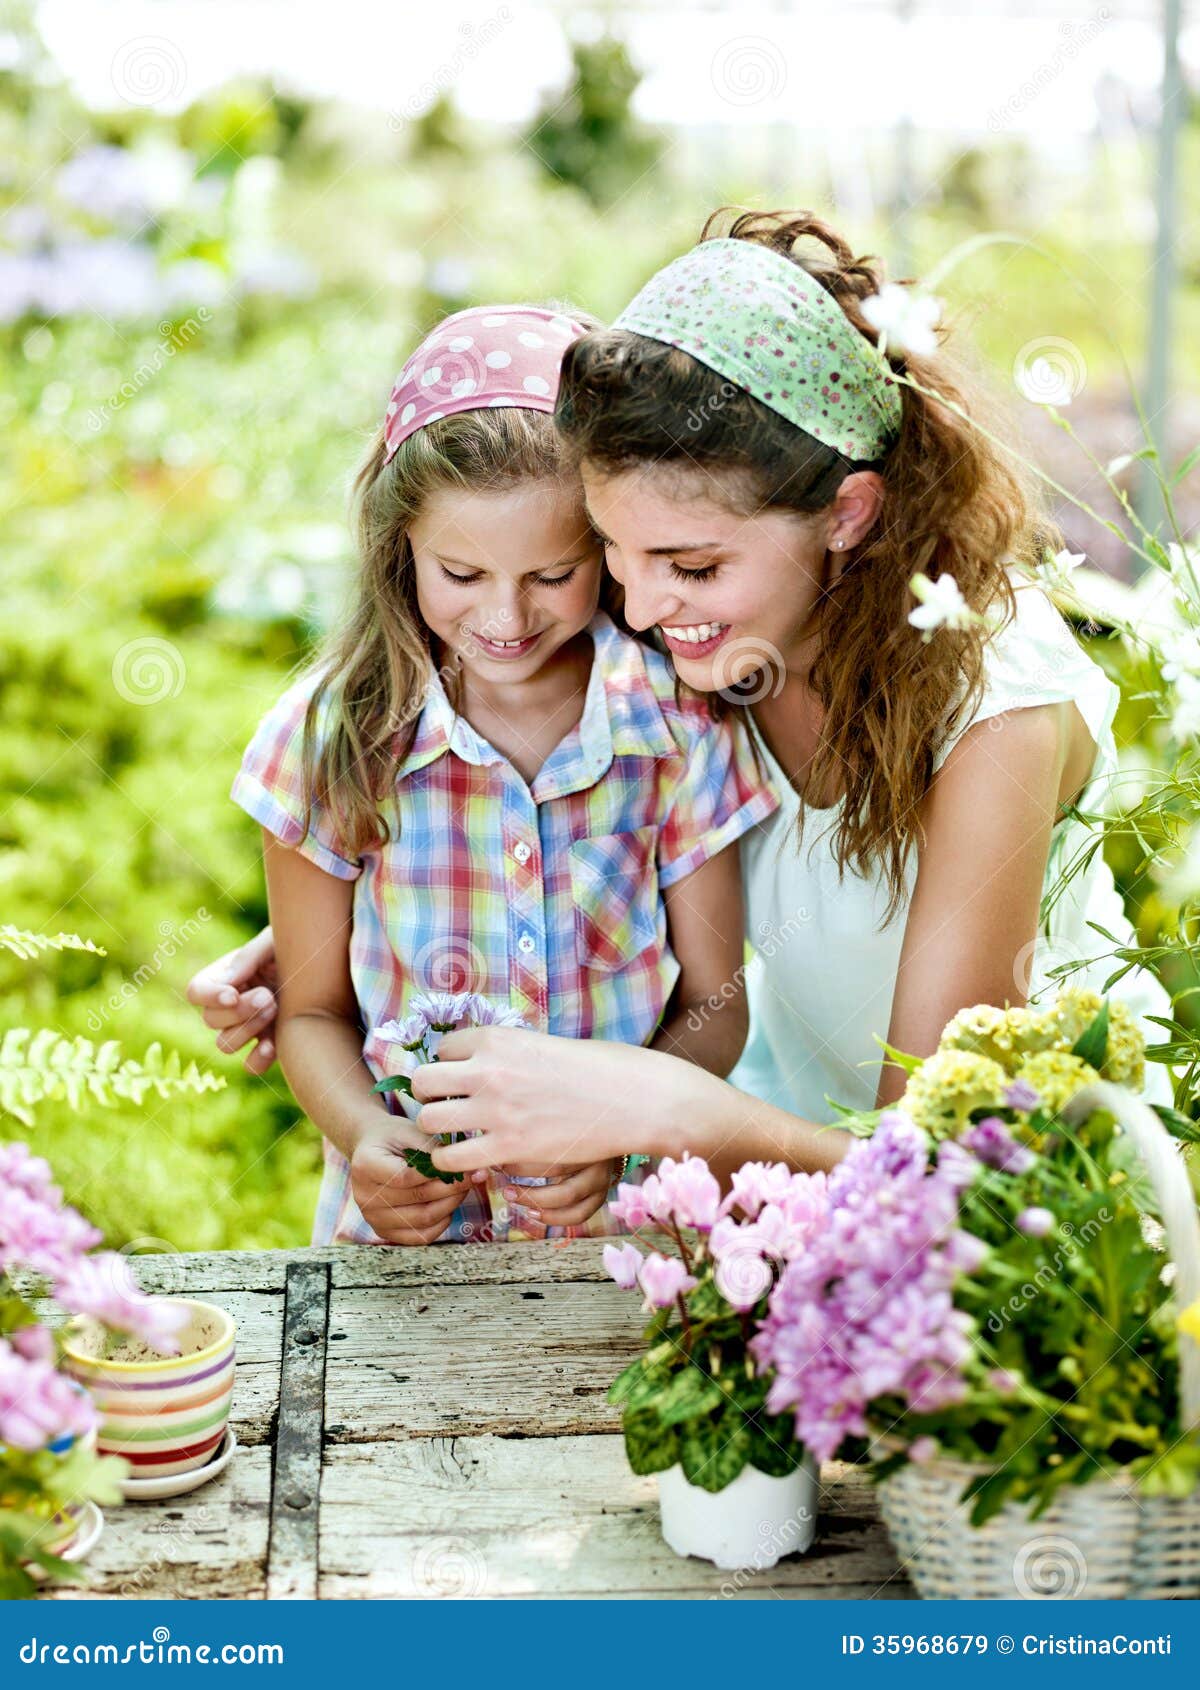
pixel 822 977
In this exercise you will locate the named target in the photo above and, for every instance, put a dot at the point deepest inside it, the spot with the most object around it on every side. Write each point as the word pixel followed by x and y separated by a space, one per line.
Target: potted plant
pixel 1003 1294
pixel 735 1486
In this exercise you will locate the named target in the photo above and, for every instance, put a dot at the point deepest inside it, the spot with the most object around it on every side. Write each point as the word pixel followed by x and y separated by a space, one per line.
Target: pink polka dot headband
pixel 487 355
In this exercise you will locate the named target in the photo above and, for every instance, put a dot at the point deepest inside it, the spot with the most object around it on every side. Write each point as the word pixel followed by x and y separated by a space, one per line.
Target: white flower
pixel 1116 465
pixel 1057 569
pixel 905 319
pixel 941 605
pixel 1180 654
pixel 1185 723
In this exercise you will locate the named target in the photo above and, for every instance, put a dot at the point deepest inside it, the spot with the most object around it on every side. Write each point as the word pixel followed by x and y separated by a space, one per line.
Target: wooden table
pixel 433 1423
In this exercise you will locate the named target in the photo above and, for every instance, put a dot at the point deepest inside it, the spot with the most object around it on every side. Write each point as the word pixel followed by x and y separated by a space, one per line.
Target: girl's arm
pixel 236 997
pixel 707 1019
pixel 320 1050
pixel 974 911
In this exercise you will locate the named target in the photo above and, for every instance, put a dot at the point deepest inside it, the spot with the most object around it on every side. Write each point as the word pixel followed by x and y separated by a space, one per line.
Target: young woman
pixel 765 491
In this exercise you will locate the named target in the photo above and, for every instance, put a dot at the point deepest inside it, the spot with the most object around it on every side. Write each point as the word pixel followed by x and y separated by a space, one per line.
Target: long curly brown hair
pixel 953 504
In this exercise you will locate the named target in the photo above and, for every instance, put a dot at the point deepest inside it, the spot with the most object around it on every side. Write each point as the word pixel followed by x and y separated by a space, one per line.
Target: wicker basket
pixel 1099 1540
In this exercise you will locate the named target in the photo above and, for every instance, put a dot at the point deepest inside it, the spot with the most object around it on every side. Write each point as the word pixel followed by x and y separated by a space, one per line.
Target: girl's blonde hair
pixel 363 713
pixel 954 504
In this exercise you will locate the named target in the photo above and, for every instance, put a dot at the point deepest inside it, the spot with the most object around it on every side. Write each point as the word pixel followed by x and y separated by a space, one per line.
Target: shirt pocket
pixel 614 885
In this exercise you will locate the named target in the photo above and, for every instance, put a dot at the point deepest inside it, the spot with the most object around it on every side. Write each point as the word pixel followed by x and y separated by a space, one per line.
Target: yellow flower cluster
pixel 1011 1036
pixel 984 1048
pixel 942 1092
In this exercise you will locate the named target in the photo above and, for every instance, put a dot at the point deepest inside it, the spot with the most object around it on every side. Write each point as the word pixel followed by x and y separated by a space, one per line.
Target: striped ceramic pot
pixel 163 1414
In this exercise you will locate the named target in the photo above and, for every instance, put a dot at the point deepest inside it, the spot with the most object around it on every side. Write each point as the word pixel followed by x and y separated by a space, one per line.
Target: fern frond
pixel 29 945
pixel 42 1066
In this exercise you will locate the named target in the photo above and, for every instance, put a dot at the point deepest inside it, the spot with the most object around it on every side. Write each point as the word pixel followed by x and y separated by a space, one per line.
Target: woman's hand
pixel 397 1202
pixel 570 1200
pixel 237 995
pixel 535 1098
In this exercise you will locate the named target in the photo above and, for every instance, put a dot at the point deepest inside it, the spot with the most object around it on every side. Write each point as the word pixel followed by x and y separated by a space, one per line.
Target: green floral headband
pixel 762 321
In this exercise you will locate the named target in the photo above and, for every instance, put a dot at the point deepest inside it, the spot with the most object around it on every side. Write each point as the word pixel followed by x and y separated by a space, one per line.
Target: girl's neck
pixel 525 720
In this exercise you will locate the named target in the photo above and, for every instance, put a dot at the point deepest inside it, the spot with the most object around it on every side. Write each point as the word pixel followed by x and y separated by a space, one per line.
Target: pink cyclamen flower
pixel 630 1206
pixel 1035 1222
pixel 102 1286
pixel 756 1183
pixel 663 1278
pixel 28 1173
pixel 687 1192
pixel 623 1262
pixel 39 1405
pixel 923 1449
pixel 40 1235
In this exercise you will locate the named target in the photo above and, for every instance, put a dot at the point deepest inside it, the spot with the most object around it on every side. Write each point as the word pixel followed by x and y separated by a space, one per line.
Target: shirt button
pixel 522 852
pixel 525 943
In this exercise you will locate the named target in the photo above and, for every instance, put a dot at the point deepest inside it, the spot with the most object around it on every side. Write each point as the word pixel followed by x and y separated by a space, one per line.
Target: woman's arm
pixel 974 911
pixel 707 1018
pixel 541 1097
pixel 320 1050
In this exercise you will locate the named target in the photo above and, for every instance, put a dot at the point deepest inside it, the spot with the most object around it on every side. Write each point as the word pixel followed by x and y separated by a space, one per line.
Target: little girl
pixel 486 785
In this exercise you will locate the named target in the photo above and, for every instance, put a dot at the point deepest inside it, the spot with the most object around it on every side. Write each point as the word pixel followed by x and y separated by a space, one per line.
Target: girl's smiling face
pixel 728 592
pixel 504 579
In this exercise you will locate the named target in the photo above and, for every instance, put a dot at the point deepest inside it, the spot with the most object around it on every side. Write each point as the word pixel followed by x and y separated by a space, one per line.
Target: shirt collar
pixel 621 716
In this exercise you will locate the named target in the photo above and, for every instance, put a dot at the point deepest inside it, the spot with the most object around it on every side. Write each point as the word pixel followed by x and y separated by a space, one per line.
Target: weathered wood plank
pixel 560 1516
pixel 296 1486
pixel 526 1359
pixel 212 1542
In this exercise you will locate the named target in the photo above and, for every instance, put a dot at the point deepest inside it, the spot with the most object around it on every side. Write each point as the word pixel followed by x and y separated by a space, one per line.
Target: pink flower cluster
pixel 46 1237
pixel 38 1405
pixel 865 1309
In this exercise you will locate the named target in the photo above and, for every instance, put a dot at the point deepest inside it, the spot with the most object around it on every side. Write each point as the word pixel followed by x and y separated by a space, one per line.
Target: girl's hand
pixel 539 1099
pixel 572 1199
pixel 237 995
pixel 397 1202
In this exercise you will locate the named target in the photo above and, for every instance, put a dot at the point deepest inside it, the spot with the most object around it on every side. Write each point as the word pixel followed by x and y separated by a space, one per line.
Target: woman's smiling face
pixel 728 592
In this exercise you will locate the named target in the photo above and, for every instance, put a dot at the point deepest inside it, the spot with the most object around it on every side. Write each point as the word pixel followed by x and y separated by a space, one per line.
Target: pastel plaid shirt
pixel 546 897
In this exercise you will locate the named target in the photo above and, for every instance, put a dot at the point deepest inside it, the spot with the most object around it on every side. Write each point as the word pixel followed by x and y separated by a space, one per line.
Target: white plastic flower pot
pixel 750 1524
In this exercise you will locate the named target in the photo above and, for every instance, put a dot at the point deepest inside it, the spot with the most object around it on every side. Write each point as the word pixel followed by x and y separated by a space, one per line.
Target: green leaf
pixel 713 1450
pixel 1092 1045
pixel 423 1163
pixel 650 1446
pixel 689 1394
pixel 774 1446
pixel 1187 466
pixel 395 1082
pixel 1176 1124
pixel 910 1064
pixel 626 1379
